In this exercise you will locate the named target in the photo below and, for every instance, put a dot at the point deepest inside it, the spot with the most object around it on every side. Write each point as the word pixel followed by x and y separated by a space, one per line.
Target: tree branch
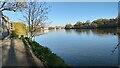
pixel 2 5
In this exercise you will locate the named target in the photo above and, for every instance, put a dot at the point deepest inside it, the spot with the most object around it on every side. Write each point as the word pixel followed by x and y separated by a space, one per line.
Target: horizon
pixel 62 13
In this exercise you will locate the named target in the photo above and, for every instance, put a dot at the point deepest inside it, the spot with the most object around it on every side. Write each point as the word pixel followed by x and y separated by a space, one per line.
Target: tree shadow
pixel 11 60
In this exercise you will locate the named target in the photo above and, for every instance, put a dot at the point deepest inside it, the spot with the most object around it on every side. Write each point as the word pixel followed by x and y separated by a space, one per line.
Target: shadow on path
pixel 17 55
pixel 11 60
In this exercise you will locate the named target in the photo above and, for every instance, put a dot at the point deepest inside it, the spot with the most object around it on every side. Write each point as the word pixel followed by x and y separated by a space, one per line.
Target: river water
pixel 96 47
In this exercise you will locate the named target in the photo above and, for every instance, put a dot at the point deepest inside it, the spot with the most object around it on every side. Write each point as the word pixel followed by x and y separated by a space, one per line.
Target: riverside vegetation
pixel 99 23
pixel 44 54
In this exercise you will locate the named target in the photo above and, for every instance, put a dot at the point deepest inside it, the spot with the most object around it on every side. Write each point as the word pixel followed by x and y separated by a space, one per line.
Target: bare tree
pixel 12 6
pixel 35 15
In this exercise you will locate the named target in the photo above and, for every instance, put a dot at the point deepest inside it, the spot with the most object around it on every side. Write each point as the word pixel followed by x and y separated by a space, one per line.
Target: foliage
pixel 88 21
pixel 13 34
pixel 45 54
pixel 78 25
pixel 20 28
pixel 99 23
pixel 105 23
pixel 82 25
pixel 68 26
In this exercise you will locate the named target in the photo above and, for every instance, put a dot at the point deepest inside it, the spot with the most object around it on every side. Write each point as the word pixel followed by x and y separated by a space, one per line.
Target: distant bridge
pixel 56 27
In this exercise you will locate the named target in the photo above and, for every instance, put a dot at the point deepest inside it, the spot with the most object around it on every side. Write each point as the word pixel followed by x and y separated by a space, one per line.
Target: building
pixel 4 26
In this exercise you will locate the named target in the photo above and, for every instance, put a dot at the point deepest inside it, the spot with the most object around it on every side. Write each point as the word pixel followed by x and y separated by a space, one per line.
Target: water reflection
pixel 68 30
pixel 117 46
pixel 83 47
pixel 98 32
pixel 104 31
pixel 79 31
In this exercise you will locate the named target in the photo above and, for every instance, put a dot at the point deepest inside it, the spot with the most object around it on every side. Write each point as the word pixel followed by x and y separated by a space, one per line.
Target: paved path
pixel 14 53
pixel 0 53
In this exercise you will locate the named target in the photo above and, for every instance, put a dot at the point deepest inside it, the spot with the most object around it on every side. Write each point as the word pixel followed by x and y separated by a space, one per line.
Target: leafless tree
pixel 12 6
pixel 35 15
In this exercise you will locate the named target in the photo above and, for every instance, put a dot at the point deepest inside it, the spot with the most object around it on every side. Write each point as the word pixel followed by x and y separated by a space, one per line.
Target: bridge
pixel 56 27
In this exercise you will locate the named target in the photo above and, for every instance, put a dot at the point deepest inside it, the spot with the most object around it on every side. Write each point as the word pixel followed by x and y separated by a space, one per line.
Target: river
pixel 83 47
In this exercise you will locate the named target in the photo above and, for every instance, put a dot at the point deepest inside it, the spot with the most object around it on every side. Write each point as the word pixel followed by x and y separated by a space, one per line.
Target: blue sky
pixel 70 12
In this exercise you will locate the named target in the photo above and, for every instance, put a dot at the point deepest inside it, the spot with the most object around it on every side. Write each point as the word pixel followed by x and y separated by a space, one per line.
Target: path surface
pixel 0 53
pixel 14 53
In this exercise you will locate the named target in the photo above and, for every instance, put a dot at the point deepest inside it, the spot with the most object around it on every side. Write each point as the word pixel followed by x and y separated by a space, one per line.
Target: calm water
pixel 83 47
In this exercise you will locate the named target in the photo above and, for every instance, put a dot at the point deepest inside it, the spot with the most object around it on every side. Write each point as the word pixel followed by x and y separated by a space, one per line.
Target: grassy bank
pixel 45 54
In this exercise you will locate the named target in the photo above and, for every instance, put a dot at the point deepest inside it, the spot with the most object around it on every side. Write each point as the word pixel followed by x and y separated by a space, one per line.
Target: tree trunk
pixel 31 35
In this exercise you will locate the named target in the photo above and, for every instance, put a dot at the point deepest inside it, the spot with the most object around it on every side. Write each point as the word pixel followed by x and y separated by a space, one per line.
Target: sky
pixel 62 13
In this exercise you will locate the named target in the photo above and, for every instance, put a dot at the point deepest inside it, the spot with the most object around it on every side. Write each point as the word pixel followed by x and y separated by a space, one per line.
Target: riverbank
pixel 45 54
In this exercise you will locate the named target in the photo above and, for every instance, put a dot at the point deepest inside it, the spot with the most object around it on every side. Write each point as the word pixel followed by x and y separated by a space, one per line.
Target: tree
pixel 12 6
pixel 105 23
pixel 35 15
pixel 88 21
pixel 20 28
pixel 68 26
pixel 78 24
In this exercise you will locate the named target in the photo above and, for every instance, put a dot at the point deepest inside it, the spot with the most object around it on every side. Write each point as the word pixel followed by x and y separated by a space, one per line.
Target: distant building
pixel 45 28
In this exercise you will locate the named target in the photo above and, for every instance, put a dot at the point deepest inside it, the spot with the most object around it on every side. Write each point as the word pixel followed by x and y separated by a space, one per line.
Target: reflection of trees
pixel 99 32
pixel 68 30
pixel 104 31
pixel 79 31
